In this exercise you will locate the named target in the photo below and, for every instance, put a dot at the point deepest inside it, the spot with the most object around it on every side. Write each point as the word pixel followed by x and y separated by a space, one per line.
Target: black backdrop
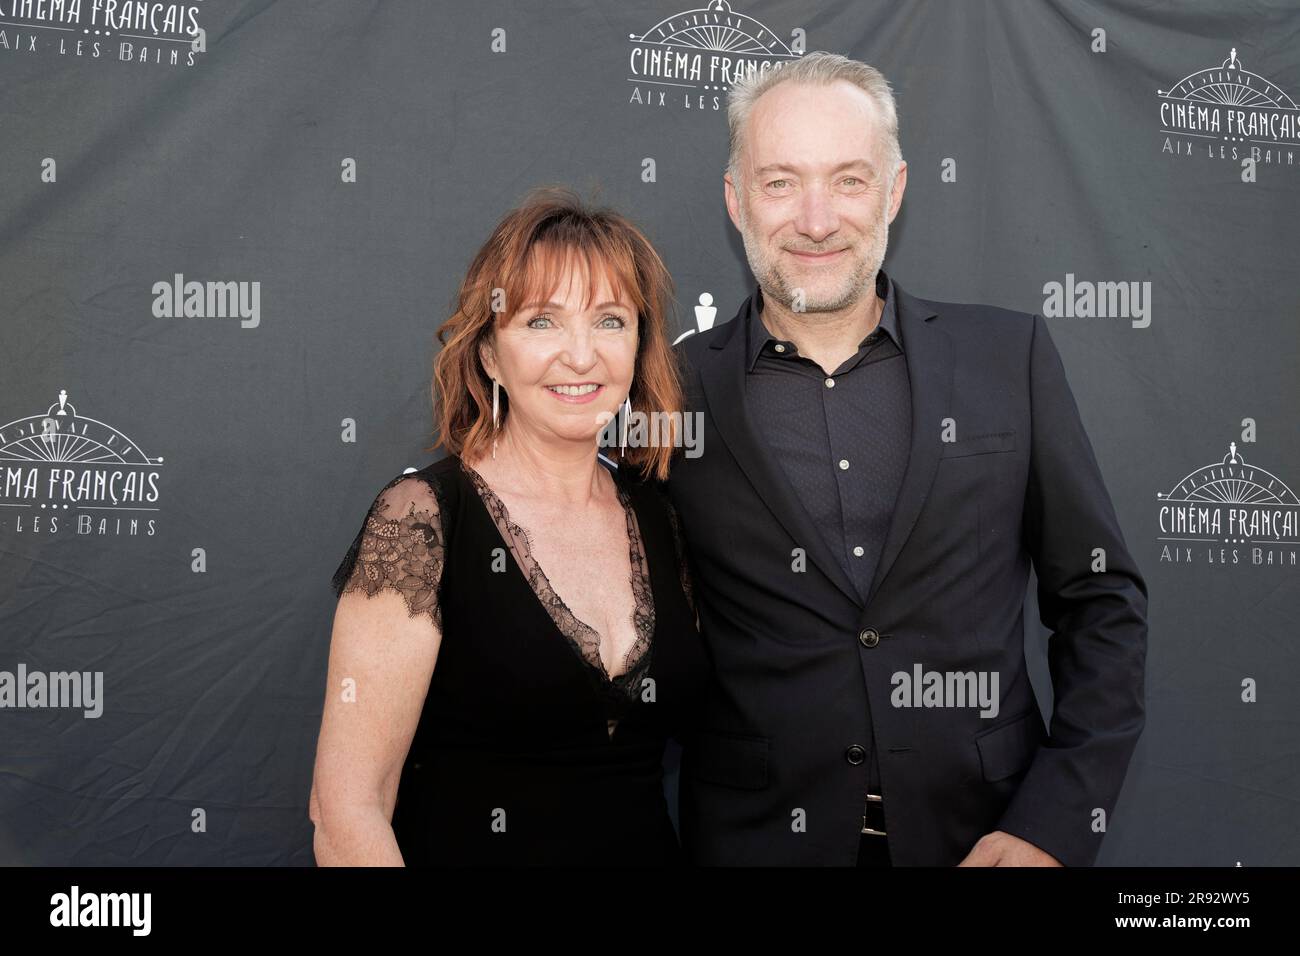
pixel 177 485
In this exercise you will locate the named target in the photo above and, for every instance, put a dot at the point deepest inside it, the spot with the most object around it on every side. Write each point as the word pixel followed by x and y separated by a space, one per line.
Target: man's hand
pixel 1003 849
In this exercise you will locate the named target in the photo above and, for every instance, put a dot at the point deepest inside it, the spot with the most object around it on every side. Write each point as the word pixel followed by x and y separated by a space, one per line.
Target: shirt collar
pixel 758 336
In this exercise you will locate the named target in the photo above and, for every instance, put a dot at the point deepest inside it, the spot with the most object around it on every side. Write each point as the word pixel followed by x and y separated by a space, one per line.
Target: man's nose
pixel 816 218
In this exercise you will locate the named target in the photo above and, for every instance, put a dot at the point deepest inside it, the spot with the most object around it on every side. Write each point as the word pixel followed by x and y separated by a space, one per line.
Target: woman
pixel 513 641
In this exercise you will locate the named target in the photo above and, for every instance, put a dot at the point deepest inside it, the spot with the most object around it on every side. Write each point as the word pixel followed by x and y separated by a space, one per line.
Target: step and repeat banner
pixel 230 230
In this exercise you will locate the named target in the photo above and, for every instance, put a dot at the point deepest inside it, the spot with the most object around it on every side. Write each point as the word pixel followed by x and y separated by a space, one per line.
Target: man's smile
pixel 816 256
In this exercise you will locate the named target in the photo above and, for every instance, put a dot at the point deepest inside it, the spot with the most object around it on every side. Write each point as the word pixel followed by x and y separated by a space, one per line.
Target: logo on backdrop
pixel 1229 512
pixel 705 313
pixel 162 33
pixel 64 473
pixel 1228 112
pixel 689 60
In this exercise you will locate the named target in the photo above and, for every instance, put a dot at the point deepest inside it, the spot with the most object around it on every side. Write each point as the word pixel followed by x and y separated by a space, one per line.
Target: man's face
pixel 814 201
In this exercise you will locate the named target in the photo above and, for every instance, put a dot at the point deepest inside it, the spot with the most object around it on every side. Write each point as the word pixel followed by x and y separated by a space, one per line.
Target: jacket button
pixel 855 754
pixel 869 637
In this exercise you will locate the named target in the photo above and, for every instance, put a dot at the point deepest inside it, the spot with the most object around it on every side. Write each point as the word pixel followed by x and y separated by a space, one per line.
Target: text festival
pixel 716 72
pixel 86 489
pixel 170 19
pixel 1220 526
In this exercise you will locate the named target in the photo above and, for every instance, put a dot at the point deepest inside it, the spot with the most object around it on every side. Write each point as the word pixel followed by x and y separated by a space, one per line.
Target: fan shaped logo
pixel 65 473
pixel 1229 512
pixel 161 33
pixel 1228 112
pixel 690 59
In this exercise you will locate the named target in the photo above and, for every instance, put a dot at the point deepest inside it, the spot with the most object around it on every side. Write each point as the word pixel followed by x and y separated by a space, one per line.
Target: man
pixel 879 473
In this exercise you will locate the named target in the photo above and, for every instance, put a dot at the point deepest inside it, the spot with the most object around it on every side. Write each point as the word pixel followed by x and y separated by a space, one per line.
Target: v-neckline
pixel 643 608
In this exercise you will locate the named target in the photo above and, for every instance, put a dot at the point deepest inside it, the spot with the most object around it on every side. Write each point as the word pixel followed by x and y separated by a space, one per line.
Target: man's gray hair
pixel 817 69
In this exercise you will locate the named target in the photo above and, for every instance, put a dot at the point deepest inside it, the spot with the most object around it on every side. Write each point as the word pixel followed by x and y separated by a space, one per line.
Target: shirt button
pixel 844 464
pixel 830 383
pixel 779 347
pixel 858 552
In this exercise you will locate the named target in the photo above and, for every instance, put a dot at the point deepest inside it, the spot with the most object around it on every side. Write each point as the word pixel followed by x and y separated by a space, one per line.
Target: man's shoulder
pixel 976 321
pixel 975 313
pixel 976 327
pixel 692 348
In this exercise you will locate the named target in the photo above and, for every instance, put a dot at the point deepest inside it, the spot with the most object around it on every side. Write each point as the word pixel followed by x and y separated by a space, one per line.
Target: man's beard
pixel 858 282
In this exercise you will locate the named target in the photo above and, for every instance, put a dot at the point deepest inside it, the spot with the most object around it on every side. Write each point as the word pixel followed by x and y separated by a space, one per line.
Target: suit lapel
pixel 723 378
pixel 928 351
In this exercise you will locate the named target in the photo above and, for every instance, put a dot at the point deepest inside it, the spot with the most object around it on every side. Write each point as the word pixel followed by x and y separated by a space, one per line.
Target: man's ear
pixel 896 197
pixel 732 200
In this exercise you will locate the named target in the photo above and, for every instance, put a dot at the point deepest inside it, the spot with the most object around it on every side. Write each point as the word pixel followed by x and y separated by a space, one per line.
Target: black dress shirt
pixel 842 440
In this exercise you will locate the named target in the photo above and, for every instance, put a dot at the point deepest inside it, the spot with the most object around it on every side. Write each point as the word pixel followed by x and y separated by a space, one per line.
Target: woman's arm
pixel 382 654
pixel 380 664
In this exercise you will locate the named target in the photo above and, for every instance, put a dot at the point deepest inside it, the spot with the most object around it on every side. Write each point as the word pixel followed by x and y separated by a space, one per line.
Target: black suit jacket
pixel 772 777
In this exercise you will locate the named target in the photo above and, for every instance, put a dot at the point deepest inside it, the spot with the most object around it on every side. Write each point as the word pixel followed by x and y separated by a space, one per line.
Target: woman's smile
pixel 578 393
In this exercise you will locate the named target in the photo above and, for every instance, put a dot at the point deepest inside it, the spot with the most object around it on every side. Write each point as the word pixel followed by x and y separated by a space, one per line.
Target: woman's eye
pixel 538 318
pixel 618 319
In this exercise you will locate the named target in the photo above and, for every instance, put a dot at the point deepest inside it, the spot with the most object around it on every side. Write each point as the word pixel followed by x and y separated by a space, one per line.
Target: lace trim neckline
pixel 583 638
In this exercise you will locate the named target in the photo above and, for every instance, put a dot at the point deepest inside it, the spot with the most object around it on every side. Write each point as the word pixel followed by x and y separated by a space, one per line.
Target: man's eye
pixel 777 183
pixel 852 180
pixel 538 318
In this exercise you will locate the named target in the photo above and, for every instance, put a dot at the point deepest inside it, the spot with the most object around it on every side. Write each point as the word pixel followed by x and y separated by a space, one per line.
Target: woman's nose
pixel 579 350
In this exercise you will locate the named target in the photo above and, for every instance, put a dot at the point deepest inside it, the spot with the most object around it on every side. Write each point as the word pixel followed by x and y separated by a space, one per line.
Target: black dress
pixel 526 751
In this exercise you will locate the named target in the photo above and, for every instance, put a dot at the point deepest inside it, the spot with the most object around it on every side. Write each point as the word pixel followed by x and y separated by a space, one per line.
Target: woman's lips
pixel 577 399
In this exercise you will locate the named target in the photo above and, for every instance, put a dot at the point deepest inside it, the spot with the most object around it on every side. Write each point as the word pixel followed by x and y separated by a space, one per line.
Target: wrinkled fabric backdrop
pixel 176 488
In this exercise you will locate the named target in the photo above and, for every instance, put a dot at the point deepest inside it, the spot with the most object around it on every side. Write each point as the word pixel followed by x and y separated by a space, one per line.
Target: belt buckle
pixel 877 799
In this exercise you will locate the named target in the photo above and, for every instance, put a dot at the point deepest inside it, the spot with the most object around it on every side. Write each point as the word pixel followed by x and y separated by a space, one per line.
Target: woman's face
pixel 565 368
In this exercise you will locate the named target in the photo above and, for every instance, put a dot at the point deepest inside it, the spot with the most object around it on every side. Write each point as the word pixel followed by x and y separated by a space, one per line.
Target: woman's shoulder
pixel 440 471
pixel 646 491
pixel 431 485
pixel 650 497
pixel 401 542
pixel 418 498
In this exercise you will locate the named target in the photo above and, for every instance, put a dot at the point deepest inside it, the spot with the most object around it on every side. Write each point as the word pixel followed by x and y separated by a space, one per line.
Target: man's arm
pixel 1097 651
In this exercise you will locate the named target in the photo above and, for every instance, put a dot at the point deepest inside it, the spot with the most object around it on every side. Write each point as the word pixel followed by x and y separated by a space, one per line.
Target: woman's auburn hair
pixel 523 260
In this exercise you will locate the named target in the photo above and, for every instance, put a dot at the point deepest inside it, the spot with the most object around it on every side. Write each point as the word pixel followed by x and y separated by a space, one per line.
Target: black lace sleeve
pixel 400 546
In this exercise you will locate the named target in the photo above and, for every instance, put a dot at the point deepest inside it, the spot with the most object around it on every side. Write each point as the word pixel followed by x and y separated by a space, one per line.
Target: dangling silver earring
pixel 496 413
pixel 627 413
